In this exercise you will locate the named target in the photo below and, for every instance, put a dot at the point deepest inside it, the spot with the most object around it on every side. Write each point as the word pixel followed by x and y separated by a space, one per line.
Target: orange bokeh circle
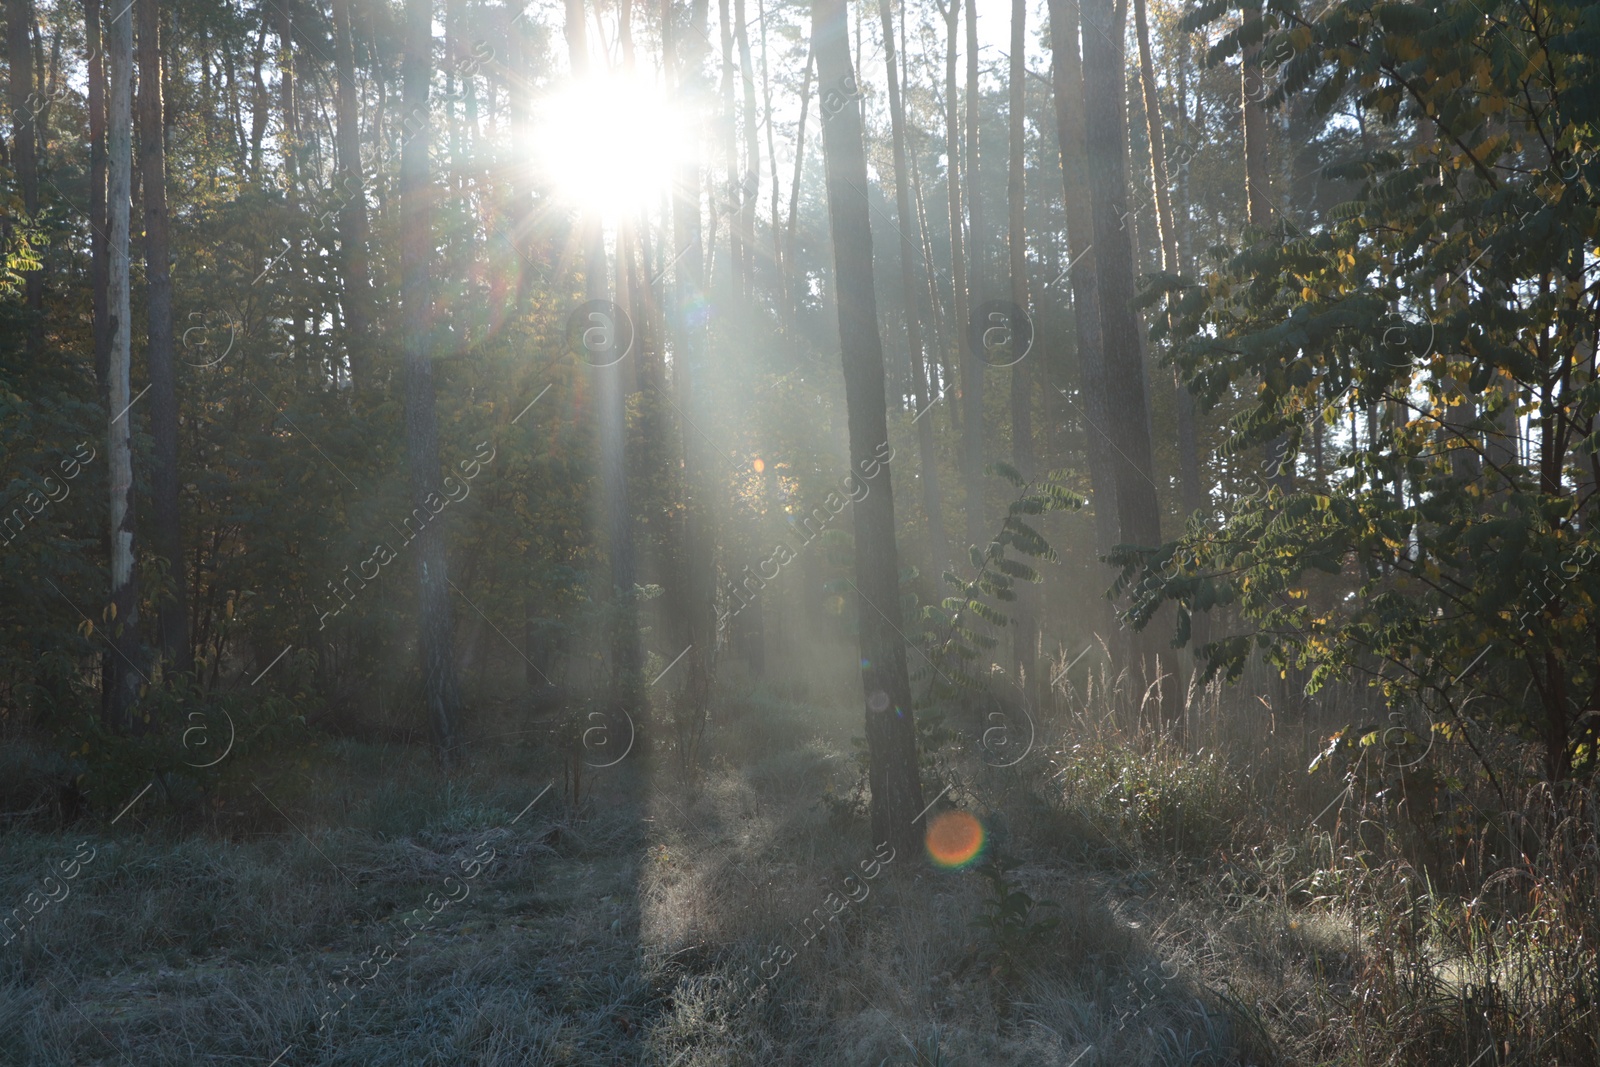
pixel 954 838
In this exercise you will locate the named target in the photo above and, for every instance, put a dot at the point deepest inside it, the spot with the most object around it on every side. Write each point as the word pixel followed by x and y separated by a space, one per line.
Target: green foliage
pixel 1451 303
pixel 958 631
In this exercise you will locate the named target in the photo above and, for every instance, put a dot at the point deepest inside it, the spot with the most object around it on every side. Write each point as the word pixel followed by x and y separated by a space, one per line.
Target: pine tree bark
pixel 121 674
pixel 730 207
pixel 971 379
pixel 752 153
pixel 938 544
pixel 1025 627
pixel 1106 147
pixel 896 804
pixel 441 691
pixel 690 370
pixel 1195 492
pixel 99 251
pixel 1258 198
pixel 791 298
pixel 1105 140
pixel 288 106
pixel 258 101
pixel 977 274
pixel 25 106
pixel 1068 90
pixel 353 224
pixel 172 612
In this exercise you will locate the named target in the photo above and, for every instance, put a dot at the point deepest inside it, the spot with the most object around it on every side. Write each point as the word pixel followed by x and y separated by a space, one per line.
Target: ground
pixel 734 915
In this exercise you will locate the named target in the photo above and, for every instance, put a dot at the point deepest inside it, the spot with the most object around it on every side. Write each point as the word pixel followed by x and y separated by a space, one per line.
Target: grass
pixel 1212 908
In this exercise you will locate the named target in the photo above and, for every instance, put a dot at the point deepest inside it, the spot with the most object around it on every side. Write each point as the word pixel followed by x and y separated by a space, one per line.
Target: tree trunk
pixel 1106 146
pixel 730 205
pixel 121 674
pixel 289 135
pixel 99 268
pixel 258 102
pixel 1068 90
pixel 1258 200
pixel 24 151
pixel 978 241
pixel 440 689
pixel 1195 492
pixel 353 228
pixel 752 154
pixel 772 151
pixel 791 298
pixel 970 378
pixel 1258 197
pixel 172 614
pixel 938 546
pixel 698 566
pixel 1025 632
pixel 891 733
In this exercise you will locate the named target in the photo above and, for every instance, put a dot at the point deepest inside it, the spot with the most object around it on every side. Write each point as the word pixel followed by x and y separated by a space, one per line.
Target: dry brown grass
pixel 1213 908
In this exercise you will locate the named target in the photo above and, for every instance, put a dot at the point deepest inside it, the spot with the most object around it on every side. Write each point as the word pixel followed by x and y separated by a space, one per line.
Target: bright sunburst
pixel 609 144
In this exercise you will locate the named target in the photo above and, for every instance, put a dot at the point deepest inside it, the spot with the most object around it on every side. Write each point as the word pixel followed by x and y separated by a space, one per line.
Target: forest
pixel 908 533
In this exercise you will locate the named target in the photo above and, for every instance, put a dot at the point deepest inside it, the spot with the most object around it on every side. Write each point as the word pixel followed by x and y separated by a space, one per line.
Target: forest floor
pixel 354 906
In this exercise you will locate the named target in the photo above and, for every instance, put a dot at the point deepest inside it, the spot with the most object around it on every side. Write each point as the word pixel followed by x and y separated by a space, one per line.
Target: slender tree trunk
pixel 891 732
pixel 938 546
pixel 791 301
pixel 971 375
pixel 236 134
pixel 288 107
pixel 519 107
pixel 1171 263
pixel 730 205
pixel 1095 412
pixel 440 688
pixel 772 152
pixel 259 103
pixel 1025 625
pixel 978 276
pixel 690 370
pixel 24 151
pixel 1105 132
pixel 353 227
pixel 1258 197
pixel 172 615
pixel 99 261
pixel 1106 148
pixel 1196 493
pixel 121 674
pixel 752 153
pixel 939 344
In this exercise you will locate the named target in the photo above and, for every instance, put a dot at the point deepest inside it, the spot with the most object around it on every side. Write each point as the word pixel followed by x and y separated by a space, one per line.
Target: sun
pixel 609 144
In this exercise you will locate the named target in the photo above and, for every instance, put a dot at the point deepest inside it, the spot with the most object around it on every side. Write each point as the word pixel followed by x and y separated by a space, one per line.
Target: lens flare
pixel 955 838
pixel 611 144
